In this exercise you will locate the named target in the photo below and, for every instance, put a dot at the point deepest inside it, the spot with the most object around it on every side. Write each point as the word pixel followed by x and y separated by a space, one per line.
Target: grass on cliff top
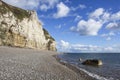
pixel 47 35
pixel 17 12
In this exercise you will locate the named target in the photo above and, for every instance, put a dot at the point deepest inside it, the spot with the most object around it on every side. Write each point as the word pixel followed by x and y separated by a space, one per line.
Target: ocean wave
pixel 98 77
pixel 87 72
pixel 110 70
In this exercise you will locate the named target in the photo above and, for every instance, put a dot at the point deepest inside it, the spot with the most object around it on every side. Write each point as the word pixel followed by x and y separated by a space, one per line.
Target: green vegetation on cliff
pixel 51 40
pixel 17 12
pixel 47 36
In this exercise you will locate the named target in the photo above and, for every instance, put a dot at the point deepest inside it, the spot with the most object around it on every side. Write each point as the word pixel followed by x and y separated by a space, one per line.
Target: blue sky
pixel 79 25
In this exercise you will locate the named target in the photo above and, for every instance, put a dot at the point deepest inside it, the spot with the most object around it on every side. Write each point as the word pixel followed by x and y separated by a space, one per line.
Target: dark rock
pixel 93 62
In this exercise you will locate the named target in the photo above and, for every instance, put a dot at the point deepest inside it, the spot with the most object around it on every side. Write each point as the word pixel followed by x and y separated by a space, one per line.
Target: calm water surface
pixel 110 70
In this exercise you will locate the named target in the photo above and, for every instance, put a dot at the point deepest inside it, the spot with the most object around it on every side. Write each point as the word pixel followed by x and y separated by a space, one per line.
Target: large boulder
pixel 92 62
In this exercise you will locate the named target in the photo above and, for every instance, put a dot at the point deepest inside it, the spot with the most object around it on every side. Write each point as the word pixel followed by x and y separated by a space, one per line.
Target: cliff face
pixel 21 28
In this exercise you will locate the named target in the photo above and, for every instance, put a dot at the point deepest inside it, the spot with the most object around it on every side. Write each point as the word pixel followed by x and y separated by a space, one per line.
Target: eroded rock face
pixel 92 62
pixel 22 28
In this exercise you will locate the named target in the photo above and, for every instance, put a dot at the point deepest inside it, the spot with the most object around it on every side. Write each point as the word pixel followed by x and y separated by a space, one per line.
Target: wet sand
pixel 29 64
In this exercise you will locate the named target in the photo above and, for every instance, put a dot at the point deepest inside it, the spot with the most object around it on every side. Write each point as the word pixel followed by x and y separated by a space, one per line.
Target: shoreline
pixel 75 69
pixel 31 64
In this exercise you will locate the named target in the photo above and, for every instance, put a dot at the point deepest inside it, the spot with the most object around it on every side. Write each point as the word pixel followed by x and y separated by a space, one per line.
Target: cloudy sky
pixel 79 25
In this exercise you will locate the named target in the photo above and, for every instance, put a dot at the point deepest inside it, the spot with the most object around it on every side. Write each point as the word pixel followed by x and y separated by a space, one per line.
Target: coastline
pixel 31 64
pixel 87 74
pixel 82 74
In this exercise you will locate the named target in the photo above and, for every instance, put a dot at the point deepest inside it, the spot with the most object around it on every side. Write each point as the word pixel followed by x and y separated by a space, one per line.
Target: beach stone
pixel 93 62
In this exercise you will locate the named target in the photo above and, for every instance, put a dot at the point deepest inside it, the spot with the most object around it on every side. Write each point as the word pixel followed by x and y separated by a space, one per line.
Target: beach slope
pixel 28 64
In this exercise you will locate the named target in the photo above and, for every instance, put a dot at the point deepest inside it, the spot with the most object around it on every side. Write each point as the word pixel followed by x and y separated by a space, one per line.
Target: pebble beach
pixel 29 64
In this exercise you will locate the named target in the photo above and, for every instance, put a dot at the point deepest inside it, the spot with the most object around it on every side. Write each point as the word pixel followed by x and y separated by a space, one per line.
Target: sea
pixel 110 70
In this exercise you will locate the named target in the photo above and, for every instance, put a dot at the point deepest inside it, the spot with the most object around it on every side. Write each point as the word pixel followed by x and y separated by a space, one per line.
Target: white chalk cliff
pixel 21 28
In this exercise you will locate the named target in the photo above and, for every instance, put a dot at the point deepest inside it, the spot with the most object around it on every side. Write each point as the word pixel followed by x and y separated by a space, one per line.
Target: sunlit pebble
pixel 8 75
pixel 12 67
pixel 31 78
pixel 23 75
pixel 11 78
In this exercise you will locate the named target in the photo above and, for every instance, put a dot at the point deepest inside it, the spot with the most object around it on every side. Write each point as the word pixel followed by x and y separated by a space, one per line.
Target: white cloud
pixel 52 2
pixel 44 5
pixel 108 38
pixel 83 48
pixel 73 29
pixel 67 1
pixel 109 34
pixel 108 48
pixel 97 13
pixel 47 4
pixel 112 34
pixel 65 46
pixel 59 26
pixel 82 6
pixel 106 17
pixel 113 26
pixel 110 17
pixel 74 8
pixel 115 16
pixel 62 10
pixel 26 4
pixel 96 20
pixel 114 22
pixel 90 27
pixel 78 18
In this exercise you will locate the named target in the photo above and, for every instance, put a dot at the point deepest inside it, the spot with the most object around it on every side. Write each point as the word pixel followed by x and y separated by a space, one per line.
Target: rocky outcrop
pixel 92 62
pixel 21 28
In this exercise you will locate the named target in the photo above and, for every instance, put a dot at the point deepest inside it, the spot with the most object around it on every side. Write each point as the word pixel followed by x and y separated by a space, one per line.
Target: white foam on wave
pixel 93 75
pixel 98 77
